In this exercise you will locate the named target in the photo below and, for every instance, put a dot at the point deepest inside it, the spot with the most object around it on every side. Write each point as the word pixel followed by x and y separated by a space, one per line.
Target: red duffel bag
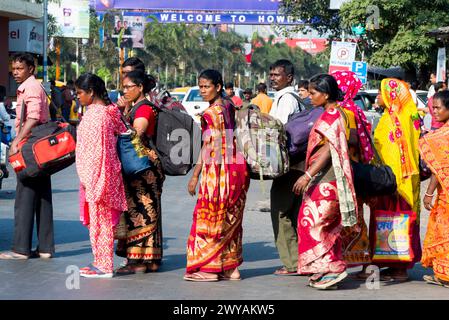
pixel 48 149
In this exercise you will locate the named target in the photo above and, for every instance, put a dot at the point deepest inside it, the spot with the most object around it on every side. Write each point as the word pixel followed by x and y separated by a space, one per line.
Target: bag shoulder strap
pixel 52 102
pixel 22 115
pixel 134 109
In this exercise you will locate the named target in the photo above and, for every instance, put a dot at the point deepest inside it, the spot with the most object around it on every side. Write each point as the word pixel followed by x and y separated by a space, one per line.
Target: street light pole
pixel 45 14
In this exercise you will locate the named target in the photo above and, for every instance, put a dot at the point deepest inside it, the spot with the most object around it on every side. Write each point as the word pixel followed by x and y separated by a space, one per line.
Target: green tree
pixel 401 38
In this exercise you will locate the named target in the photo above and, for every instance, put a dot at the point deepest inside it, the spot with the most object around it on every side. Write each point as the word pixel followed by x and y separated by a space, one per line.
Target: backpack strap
pixel 135 107
pixel 301 104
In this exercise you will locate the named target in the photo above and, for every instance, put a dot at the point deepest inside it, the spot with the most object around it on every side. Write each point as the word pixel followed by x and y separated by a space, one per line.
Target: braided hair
pixel 91 82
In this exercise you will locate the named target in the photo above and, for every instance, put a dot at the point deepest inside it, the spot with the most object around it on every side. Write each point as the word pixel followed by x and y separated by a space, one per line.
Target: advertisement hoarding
pixel 26 36
pixel 128 31
pixel 72 18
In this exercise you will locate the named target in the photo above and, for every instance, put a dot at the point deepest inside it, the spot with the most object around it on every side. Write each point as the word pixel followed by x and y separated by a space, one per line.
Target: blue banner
pixel 188 5
pixel 228 18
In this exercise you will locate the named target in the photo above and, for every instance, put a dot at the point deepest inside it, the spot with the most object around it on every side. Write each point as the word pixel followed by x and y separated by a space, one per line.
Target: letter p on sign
pixel 360 69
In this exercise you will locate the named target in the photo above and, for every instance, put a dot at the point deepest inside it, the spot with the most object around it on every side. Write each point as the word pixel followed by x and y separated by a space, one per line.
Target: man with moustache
pixel 284 203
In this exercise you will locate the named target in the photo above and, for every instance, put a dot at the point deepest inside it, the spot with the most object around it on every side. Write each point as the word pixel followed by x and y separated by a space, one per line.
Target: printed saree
pixel 434 148
pixel 355 242
pixel 327 206
pixel 396 141
pixel 215 241
pixel 102 194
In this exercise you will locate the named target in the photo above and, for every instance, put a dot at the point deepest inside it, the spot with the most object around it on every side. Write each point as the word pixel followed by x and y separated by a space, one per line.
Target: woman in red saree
pixel 102 192
pixel 434 149
pixel 329 201
pixel 356 249
pixel 214 247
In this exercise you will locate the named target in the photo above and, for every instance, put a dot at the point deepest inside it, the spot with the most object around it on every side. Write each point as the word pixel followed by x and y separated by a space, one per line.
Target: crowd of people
pixel 316 210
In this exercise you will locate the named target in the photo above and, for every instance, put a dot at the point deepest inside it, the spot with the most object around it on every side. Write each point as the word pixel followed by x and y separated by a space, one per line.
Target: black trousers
pixel 33 199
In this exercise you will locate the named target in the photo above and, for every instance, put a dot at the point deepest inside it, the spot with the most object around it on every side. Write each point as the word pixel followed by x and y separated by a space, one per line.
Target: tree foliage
pixel 401 38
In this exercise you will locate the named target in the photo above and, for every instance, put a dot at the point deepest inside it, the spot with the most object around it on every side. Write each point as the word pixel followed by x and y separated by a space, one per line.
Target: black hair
pixel 303 84
pixel 229 85
pixel 70 82
pixel 52 82
pixel 141 78
pixel 414 85
pixel 214 76
pixel 25 57
pixel 444 97
pixel 91 82
pixel 327 84
pixel 262 87
pixel 289 69
pixel 134 62
pixel 439 85
pixel 2 93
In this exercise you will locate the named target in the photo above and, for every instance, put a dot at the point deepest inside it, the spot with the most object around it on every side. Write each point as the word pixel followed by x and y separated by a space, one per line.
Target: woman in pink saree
pixel 329 201
pixel 214 247
pixel 102 193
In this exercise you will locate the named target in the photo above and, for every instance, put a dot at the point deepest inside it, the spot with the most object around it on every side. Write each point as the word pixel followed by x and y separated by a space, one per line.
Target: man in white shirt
pixel 284 203
pixel 281 78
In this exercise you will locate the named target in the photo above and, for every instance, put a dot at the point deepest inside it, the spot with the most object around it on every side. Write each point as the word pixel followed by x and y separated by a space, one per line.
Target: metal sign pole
pixel 45 14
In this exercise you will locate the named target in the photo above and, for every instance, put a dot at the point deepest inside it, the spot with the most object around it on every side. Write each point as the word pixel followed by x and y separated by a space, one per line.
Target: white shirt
pixel 284 104
pixel 431 92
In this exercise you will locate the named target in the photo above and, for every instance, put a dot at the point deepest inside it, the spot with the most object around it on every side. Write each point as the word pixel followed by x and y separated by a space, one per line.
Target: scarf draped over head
pixel 350 84
pixel 396 136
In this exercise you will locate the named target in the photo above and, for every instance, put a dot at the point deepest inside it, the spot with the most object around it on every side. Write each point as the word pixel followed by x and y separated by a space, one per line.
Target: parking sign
pixel 361 70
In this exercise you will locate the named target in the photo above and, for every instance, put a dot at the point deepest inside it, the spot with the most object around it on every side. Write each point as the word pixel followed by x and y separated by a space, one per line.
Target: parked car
pixel 366 100
pixel 178 96
pixel 194 104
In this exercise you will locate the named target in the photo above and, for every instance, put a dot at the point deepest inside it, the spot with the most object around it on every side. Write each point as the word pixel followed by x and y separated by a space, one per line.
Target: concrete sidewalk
pixel 41 279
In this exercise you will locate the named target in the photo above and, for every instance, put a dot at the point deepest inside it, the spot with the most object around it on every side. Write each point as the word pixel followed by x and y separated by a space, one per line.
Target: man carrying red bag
pixel 33 195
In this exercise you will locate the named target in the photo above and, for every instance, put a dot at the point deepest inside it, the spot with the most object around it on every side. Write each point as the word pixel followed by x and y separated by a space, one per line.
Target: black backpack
pixel 177 139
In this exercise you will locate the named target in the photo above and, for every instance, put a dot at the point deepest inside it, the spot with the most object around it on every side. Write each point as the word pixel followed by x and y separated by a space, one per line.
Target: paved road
pixel 40 279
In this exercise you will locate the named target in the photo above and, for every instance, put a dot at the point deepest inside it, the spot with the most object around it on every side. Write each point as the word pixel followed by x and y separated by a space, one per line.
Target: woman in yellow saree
pixel 396 141
pixel 434 148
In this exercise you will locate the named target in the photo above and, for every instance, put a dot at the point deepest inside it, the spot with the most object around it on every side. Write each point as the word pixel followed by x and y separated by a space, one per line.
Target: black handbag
pixel 132 152
pixel 373 179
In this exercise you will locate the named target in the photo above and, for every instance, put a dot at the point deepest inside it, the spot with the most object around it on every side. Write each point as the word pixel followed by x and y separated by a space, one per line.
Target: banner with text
pixel 214 5
pixel 228 18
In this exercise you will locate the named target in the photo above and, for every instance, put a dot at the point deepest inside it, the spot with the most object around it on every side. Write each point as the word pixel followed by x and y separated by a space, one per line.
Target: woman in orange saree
pixel 214 247
pixel 329 201
pixel 434 149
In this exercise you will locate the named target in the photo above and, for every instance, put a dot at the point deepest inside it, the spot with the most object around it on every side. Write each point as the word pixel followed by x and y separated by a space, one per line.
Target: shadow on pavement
pixel 259 251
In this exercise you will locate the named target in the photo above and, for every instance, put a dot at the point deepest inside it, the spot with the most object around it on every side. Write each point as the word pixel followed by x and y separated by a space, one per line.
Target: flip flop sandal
pixel 11 255
pixel 225 277
pixel 327 281
pixel 434 280
pixel 284 272
pixel 94 272
pixel 130 269
pixel 198 277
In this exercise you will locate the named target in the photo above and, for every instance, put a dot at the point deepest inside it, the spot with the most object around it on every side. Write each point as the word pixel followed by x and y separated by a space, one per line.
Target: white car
pixel 195 105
